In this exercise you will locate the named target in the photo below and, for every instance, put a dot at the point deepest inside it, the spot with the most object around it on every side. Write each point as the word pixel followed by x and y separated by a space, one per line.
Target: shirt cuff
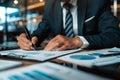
pixel 85 42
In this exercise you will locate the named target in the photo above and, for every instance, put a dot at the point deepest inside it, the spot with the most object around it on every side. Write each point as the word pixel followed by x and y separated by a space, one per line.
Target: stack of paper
pixel 94 58
pixel 47 71
pixel 40 55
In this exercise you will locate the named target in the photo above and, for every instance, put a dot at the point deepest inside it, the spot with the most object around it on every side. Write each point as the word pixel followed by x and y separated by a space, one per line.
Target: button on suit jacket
pixel 96 23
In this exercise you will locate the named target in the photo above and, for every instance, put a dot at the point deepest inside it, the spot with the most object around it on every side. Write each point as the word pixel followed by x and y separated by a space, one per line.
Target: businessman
pixel 75 24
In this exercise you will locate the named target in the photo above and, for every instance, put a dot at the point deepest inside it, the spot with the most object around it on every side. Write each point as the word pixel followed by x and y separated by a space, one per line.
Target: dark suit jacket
pixel 101 32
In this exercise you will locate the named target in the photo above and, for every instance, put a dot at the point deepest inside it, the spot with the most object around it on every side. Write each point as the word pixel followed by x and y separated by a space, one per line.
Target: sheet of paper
pixel 40 55
pixel 47 71
pixel 5 64
pixel 90 58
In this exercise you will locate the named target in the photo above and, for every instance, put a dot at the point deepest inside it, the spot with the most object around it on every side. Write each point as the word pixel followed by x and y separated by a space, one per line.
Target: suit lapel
pixel 58 18
pixel 82 5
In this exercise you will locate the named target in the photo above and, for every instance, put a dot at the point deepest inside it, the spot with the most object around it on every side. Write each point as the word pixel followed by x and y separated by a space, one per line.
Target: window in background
pixel 20 13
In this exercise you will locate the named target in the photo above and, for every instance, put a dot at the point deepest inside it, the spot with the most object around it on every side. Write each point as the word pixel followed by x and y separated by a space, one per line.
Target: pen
pixel 29 37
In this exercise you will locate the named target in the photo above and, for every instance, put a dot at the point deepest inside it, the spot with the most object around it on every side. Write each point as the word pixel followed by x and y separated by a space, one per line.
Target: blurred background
pixel 15 14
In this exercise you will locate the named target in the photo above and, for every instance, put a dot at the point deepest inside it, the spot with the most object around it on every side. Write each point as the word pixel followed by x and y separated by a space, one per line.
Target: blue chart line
pixel 34 75
pixel 30 75
pixel 83 57
pixel 39 76
pixel 15 77
pixel 46 76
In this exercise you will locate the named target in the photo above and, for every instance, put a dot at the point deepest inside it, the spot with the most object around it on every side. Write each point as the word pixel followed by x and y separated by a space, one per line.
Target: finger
pixel 34 40
pixel 52 45
pixel 62 48
pixel 58 37
pixel 23 42
pixel 24 46
pixel 23 39
pixel 23 35
pixel 55 43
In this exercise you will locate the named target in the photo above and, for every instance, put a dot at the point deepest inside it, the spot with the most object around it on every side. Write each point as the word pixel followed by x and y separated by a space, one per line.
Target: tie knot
pixel 67 6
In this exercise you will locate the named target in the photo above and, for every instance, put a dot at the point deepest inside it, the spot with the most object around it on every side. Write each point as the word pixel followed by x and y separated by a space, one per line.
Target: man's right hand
pixel 26 44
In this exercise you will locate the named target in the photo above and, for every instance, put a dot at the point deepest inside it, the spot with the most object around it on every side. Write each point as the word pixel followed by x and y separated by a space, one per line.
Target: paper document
pixel 39 55
pixel 47 71
pixel 5 64
pixel 94 58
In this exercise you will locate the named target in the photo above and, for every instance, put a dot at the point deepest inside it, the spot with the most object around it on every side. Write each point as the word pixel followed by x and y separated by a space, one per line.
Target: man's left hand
pixel 63 43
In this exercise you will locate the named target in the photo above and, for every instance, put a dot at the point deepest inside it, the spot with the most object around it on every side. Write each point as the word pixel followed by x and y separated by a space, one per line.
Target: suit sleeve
pixel 43 29
pixel 109 32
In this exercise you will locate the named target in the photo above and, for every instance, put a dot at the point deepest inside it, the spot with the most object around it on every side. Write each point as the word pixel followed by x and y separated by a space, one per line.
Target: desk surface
pixel 27 63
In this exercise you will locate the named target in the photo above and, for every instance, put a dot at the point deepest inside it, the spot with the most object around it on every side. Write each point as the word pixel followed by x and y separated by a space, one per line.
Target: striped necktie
pixel 68 21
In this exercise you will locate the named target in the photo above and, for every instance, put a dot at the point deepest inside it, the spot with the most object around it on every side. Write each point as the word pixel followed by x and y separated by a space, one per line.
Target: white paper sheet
pixel 47 71
pixel 5 64
pixel 40 55
pixel 91 58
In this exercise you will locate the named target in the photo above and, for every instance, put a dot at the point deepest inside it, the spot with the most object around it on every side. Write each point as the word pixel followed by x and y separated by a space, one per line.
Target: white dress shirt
pixel 75 21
